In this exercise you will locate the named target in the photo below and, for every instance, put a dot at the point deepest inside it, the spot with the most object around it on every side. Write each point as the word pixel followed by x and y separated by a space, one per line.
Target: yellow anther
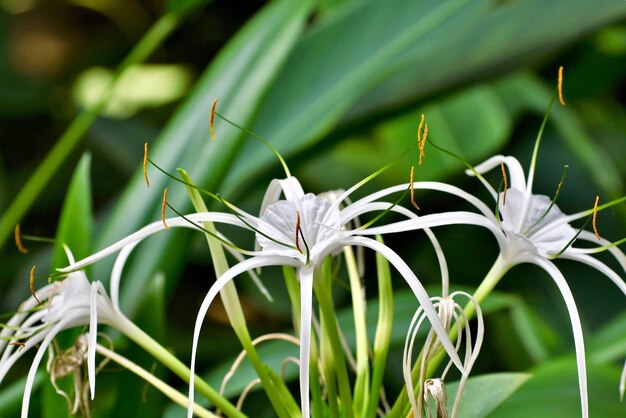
pixel 18 240
pixel 212 120
pixel 145 164
pixel 163 208
pixel 32 284
pixel 560 86
pixel 419 130
pixel 506 183
pixel 298 231
pixel 422 144
pixel 412 189
pixel 594 219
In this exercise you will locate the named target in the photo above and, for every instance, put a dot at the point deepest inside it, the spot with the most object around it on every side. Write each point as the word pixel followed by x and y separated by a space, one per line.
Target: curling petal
pixel 306 308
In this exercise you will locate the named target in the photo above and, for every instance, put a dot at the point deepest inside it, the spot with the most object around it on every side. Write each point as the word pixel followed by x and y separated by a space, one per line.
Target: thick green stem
pixel 79 126
pixel 324 298
pixel 497 271
pixel 362 383
pixel 166 389
pixel 170 361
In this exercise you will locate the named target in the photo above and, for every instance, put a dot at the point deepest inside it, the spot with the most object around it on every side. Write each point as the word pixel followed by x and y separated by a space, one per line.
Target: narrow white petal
pixel 579 342
pixel 93 335
pixel 306 308
pixel 153 228
pixel 30 380
pixel 615 251
pixel 116 273
pixel 598 265
pixel 418 290
pixel 517 179
pixel 222 281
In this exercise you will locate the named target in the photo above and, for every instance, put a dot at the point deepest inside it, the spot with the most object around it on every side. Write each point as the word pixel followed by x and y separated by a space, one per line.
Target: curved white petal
pixel 598 265
pixel 30 379
pixel 516 177
pixel 418 291
pixel 153 228
pixel 438 219
pixel 622 383
pixel 579 342
pixel 591 237
pixel 306 308
pixel 237 269
pixel 93 335
pixel 116 273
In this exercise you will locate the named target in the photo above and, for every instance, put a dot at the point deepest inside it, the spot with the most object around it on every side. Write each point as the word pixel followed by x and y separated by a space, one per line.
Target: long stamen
pixel 560 86
pixel 582 228
pixel 413 189
pixel 552 202
pixel 32 285
pixel 18 240
pixel 145 164
pixel 419 130
pixel 212 120
pixel 163 208
pixel 506 183
pixel 263 141
pixel 298 231
pixel 595 217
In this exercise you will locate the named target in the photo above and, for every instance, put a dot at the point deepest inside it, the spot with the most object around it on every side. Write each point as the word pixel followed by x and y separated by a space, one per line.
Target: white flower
pixel 529 228
pixel 70 303
pixel 454 318
pixel 299 231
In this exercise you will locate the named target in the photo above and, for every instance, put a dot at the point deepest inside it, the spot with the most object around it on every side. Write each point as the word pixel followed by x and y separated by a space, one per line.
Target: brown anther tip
pixel 163 208
pixel 560 86
pixel 413 190
pixel 32 284
pixel 506 183
pixel 212 120
pixel 595 217
pixel 18 240
pixel 19 344
pixel 298 231
pixel 145 164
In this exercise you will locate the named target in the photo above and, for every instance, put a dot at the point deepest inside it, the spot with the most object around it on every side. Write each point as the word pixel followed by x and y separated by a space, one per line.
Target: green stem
pixel 322 291
pixel 166 389
pixel 145 341
pixel 497 271
pixel 383 332
pixel 361 385
pixel 232 305
pixel 79 126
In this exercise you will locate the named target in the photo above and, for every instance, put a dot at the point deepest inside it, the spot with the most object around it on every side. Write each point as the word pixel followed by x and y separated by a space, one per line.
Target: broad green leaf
pixel 609 343
pixel 359 52
pixel 76 222
pixel 238 77
pixel 185 6
pixel 552 391
pixel 512 34
pixel 473 123
pixel 483 394
pixel 336 64
pixel 11 395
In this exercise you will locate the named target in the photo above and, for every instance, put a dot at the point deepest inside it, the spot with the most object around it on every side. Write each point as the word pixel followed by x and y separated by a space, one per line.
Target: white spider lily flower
pixel 300 231
pixel 529 228
pixel 454 318
pixel 70 303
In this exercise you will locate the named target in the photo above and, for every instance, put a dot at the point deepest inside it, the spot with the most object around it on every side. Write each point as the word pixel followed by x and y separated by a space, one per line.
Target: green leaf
pixel 483 394
pixel 552 391
pixel 473 123
pixel 609 343
pixel 185 6
pixel 239 77
pixel 76 223
pixel 11 395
